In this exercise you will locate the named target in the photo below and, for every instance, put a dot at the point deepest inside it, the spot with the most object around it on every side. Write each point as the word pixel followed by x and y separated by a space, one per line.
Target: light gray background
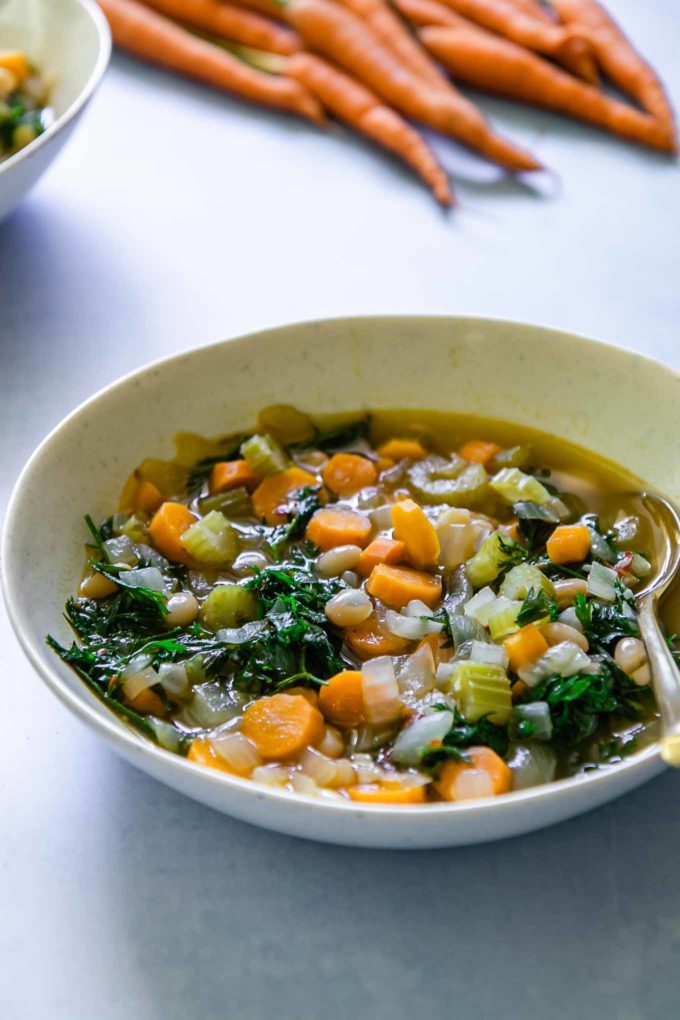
pixel 175 217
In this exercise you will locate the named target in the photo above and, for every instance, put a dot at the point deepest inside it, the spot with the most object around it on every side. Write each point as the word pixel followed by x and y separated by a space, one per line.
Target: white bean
pixel 349 608
pixel 630 655
pixel 96 586
pixel 555 633
pixel 243 565
pixel 182 609
pixel 642 676
pixel 566 591
pixel 337 561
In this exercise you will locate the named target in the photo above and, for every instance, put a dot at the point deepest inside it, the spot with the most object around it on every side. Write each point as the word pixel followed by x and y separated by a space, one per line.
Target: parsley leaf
pixel 536 606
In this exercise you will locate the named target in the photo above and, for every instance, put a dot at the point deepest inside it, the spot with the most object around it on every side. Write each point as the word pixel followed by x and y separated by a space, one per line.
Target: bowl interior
pixel 614 402
pixel 61 38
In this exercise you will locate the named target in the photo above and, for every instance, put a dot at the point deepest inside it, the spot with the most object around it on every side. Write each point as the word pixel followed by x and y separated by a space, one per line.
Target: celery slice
pixel 212 540
pixel 265 455
pixel 483 690
pixel 234 503
pixel 518 581
pixel 516 487
pixel 449 480
pixel 513 457
pixel 503 620
pixel 486 564
pixel 228 605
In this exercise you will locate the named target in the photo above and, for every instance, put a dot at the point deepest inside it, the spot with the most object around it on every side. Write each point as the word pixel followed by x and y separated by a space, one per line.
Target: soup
pixel 24 97
pixel 395 609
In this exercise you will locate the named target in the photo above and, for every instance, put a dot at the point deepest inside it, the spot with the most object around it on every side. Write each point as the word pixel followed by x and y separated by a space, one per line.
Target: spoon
pixel 665 674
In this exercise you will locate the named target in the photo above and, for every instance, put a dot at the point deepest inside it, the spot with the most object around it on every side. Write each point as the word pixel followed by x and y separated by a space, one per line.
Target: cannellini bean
pixel 567 590
pixel 313 459
pixel 96 586
pixel 555 633
pixel 332 743
pixel 247 561
pixel 351 578
pixel 630 655
pixel 336 561
pixel 182 609
pixel 349 608
pixel 642 676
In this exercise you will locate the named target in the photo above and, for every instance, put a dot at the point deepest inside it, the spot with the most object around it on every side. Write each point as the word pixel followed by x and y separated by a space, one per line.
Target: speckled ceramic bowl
pixel 70 43
pixel 563 384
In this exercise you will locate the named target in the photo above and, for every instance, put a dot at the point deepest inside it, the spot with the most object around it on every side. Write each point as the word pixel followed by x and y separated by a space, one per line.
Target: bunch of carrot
pixel 382 65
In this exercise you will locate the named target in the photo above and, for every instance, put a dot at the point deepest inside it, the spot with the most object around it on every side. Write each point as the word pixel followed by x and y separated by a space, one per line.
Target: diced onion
pixel 271 775
pixel 327 772
pixel 172 676
pixel 602 582
pixel 566 658
pixel 239 753
pixel 145 577
pixel 404 626
pixel 417 608
pixel 380 691
pixel 531 765
pixel 456 544
pixel 417 673
pixel 537 713
pixel 481 606
pixel 136 664
pixel 415 738
pixel 444 674
pixel 166 734
pixel 381 518
pixel 481 651
pixel 120 550
pixel 138 682
pixel 239 635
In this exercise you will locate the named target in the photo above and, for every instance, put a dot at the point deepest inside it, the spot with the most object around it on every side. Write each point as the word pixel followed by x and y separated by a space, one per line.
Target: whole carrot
pixel 272 8
pixel 340 35
pixel 155 38
pixel 618 57
pixel 424 13
pixel 536 9
pixel 229 22
pixel 567 46
pixel 395 34
pixel 498 65
pixel 357 106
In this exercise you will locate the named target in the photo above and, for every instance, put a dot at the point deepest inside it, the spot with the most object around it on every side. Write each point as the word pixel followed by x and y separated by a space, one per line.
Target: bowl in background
pixel 69 42
pixel 611 401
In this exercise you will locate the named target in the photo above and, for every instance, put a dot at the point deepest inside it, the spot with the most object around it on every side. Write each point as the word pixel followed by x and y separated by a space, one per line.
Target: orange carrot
pixel 497 65
pixel 347 473
pixel 479 451
pixel 380 550
pixel 619 59
pixel 372 638
pixel 342 699
pixel 151 36
pixel 146 702
pixel 389 27
pixel 15 62
pixel 339 34
pixel 167 526
pixel 525 646
pixel 233 23
pixel 350 101
pixel 568 46
pixel 147 498
pixel 201 752
pixel 373 793
pixel 569 544
pixel 271 494
pixel 335 526
pixel 402 449
pixel 424 13
pixel 272 8
pixel 232 474
pixel 535 9
pixel 412 527
pixel 282 726
pixel 486 775
pixel 396 586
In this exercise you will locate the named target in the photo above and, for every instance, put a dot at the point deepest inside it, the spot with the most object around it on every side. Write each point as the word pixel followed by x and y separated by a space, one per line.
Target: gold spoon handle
pixel 665 677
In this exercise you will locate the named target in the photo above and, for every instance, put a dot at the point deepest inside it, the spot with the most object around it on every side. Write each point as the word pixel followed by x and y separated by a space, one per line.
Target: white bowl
pixel 612 401
pixel 69 42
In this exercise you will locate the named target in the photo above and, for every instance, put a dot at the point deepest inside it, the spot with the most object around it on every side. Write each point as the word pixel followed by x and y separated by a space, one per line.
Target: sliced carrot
pixel 396 586
pixel 14 61
pixel 412 527
pixel 148 497
pixel 380 550
pixel 569 543
pixel 202 752
pixel 282 726
pixel 167 526
pixel 333 526
pixel 305 692
pixel 525 646
pixel 402 449
pixel 486 775
pixel 371 638
pixel 232 474
pixel 373 793
pixel 511 529
pixel 479 451
pixel 271 494
pixel 347 473
pixel 518 689
pixel 146 702
pixel 342 701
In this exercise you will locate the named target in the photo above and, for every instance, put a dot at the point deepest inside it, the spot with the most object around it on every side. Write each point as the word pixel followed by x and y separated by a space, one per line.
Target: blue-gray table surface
pixel 176 217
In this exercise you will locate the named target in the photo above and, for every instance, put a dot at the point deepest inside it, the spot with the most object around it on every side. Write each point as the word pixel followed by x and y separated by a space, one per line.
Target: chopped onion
pixel 172 676
pixel 599 547
pixel 303 784
pixel 138 682
pixel 444 673
pixel 410 627
pixel 152 556
pixel 569 617
pixel 537 713
pixel 482 651
pixel 417 608
pixel 381 691
pixel 239 635
pixel 531 765
pixel 602 582
pixel 456 543
pixel 136 664
pixel 415 738
pixel 239 753
pixel 145 577
pixel 381 518
pixel 327 772
pixel 166 734
pixel 481 606
pixel 417 673
pixel 120 550
pixel 560 509
pixel 566 658
pixel 271 775
pixel 465 629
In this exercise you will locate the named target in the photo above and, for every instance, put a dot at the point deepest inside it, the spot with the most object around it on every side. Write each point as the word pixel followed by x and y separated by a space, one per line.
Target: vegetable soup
pixel 24 112
pixel 396 609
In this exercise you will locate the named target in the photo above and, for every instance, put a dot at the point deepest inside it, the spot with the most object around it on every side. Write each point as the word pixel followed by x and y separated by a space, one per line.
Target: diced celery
pixel 134 528
pixel 264 454
pixel 483 690
pixel 465 628
pixel 513 457
pixel 602 582
pixel 214 703
pixel 493 655
pixel 503 620
pixel 234 503
pixel 228 605
pixel 167 736
pixel 418 736
pixel 486 564
pixel 212 540
pixel 532 721
pixel 516 487
pixel 520 579
pixel 449 480
pixel 640 565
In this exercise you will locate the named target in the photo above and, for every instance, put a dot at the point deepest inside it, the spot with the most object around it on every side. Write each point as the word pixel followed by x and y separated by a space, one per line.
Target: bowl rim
pixel 103 56
pixel 126 739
